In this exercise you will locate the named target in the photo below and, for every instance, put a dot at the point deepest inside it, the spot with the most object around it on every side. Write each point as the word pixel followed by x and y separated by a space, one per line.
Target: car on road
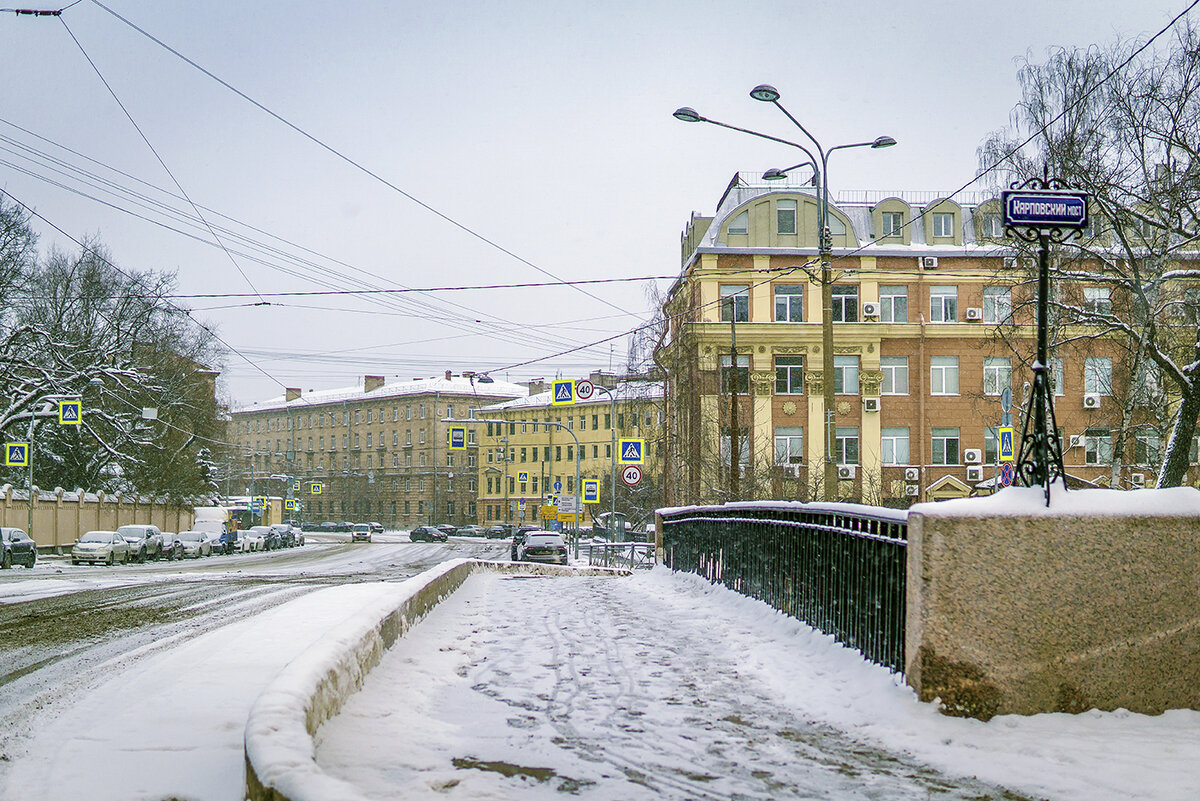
pixel 376 528
pixel 427 534
pixel 543 546
pixel 145 542
pixel 172 547
pixel 361 533
pixel 108 547
pixel 254 538
pixel 195 544
pixel 17 548
pixel 498 532
pixel 518 539
pixel 470 531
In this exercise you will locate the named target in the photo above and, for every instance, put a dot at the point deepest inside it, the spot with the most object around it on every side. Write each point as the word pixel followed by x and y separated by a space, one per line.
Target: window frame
pixel 793 303
pixel 789 375
pixel 939 373
pixel 943 305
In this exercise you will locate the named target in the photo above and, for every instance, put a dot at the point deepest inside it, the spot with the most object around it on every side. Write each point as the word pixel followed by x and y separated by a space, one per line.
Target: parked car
pixel 215 540
pixel 100 546
pixel 255 538
pixel 361 533
pixel 218 529
pixel 446 528
pixel 498 532
pixel 345 527
pixel 427 534
pixel 145 542
pixel 298 535
pixel 232 540
pixel 470 531
pixel 518 539
pixel 281 536
pixel 172 547
pixel 376 528
pixel 18 548
pixel 195 544
pixel 543 546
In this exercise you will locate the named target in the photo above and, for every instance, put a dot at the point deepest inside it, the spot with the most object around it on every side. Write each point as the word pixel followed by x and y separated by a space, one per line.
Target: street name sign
pixel 16 454
pixel 632 475
pixel 70 412
pixel 591 491
pixel 458 438
pixel 563 393
pixel 631 451
pixel 1006 444
pixel 1045 209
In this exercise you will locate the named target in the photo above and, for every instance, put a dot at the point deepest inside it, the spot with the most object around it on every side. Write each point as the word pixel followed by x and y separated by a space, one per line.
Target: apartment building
pixel 932 318
pixel 379 451
pixel 527 445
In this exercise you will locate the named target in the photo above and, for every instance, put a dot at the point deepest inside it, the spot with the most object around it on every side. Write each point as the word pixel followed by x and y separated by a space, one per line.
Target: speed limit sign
pixel 584 389
pixel 631 475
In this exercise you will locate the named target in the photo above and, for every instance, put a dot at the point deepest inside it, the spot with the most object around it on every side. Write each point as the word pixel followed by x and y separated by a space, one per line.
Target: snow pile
pixel 1031 502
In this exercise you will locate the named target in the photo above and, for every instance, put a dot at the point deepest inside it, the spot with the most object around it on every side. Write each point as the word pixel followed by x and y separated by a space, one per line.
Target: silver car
pixel 100 546
pixel 195 544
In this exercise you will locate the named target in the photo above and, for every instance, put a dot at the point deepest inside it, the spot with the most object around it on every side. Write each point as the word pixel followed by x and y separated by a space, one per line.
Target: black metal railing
pixel 838 567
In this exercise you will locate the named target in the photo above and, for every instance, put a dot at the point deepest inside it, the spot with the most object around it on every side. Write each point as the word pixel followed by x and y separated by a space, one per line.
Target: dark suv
pixel 519 539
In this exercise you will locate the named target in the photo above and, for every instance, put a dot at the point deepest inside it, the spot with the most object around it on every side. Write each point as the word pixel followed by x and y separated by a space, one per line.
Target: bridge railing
pixel 838 567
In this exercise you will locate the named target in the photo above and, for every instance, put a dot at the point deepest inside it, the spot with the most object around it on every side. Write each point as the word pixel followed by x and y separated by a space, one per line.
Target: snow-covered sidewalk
pixel 663 686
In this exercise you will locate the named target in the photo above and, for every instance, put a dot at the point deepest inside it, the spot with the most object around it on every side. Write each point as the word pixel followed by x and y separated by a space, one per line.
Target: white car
pixel 254 538
pixel 195 544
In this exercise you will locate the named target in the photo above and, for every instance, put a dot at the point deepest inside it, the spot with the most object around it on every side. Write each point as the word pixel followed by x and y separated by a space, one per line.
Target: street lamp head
pixel 687 114
pixel 765 92
pixel 96 382
pixel 774 174
pixel 883 141
pixel 485 379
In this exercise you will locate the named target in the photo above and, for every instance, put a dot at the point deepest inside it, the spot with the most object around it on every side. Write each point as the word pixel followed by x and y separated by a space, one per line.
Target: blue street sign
pixel 1006 444
pixel 70 412
pixel 16 454
pixel 458 438
pixel 558 486
pixel 1033 209
pixel 591 491
pixel 631 451
pixel 523 477
pixel 1006 474
pixel 563 394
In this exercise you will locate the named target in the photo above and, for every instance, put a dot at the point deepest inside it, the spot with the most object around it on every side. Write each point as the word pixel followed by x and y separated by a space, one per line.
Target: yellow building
pixel 521 458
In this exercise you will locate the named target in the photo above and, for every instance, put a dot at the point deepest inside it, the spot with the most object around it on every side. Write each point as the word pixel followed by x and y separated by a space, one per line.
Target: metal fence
pixel 838 567
pixel 633 555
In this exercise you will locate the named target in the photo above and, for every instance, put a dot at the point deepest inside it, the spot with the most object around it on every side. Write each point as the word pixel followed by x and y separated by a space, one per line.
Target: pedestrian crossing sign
pixel 564 393
pixel 16 454
pixel 296 485
pixel 70 412
pixel 591 491
pixel 631 451
pixel 315 488
pixel 289 505
pixel 523 477
pixel 1006 444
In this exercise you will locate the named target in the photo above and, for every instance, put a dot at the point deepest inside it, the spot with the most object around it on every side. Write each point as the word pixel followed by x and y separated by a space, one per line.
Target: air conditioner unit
pixel 975 473
pixel 912 474
pixel 846 472
pixel 972 456
pixel 1091 401
pixel 1137 479
pixel 870 309
pixel 1075 441
pixel 975 313
pixel 1011 263
pixel 794 469
pixel 912 490
pixel 870 404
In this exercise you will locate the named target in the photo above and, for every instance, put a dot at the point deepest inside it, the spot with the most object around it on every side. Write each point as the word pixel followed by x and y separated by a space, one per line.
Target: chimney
pixel 536 386
pixel 291 393
pixel 372 383
pixel 449 375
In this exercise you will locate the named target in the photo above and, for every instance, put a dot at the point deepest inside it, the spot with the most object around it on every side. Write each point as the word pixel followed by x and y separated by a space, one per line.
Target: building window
pixel 1097 446
pixel 730 378
pixel 943 375
pixel 408 412
pixel 846 444
pixel 893 223
pixel 1147 448
pixel 422 411
pixel 993 226
pixel 945 446
pixel 740 224
pixel 990 446
pixel 997 304
pixel 894 445
pixel 789 445
pixel 943 304
pixel 1056 375
pixel 735 303
pixel 789 303
pixel 1096 300
pixel 943 224
pixel 1097 375
pixel 845 375
pixel 785 216
pixel 893 304
pixel 743 449
pixel 789 375
pixel 997 374
pixel 845 303
pixel 895 375
pixel 421 437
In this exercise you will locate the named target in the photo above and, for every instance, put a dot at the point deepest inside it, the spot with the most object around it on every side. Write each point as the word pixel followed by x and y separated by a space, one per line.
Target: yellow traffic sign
pixel 1006 444
pixel 563 393
pixel 70 412
pixel 315 488
pixel 548 512
pixel 16 454
pixel 631 451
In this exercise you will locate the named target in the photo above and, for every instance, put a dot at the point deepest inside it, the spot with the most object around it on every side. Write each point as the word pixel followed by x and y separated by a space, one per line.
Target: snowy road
pixel 99 667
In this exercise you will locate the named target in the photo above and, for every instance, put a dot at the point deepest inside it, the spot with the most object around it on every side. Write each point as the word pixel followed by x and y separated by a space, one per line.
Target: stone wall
pixel 1013 610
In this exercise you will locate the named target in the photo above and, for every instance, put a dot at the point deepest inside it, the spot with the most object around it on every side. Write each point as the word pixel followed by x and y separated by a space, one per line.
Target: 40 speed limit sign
pixel 631 475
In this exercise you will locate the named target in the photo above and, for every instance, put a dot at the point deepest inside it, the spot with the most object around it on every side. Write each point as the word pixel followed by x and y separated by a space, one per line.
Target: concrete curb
pixel 281 762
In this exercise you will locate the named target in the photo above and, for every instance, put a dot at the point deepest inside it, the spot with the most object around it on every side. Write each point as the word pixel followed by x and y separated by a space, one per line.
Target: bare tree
pixel 1129 135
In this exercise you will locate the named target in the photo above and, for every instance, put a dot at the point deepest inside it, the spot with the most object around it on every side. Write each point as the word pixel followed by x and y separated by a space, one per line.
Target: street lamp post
pixel 768 94
pixel 612 478
pixel 29 455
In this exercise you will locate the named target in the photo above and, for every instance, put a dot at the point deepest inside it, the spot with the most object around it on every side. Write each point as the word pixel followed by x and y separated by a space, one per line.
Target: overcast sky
pixel 544 127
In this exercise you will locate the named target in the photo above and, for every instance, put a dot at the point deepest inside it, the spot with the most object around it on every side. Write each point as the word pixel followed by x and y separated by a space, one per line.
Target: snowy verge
pixel 281 760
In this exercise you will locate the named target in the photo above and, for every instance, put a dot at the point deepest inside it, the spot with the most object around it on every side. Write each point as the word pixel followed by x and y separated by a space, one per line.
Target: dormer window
pixel 943 224
pixel 893 223
pixel 740 224
pixel 785 216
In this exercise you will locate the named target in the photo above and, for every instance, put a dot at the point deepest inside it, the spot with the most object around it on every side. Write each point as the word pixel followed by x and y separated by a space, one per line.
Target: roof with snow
pixel 455 385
